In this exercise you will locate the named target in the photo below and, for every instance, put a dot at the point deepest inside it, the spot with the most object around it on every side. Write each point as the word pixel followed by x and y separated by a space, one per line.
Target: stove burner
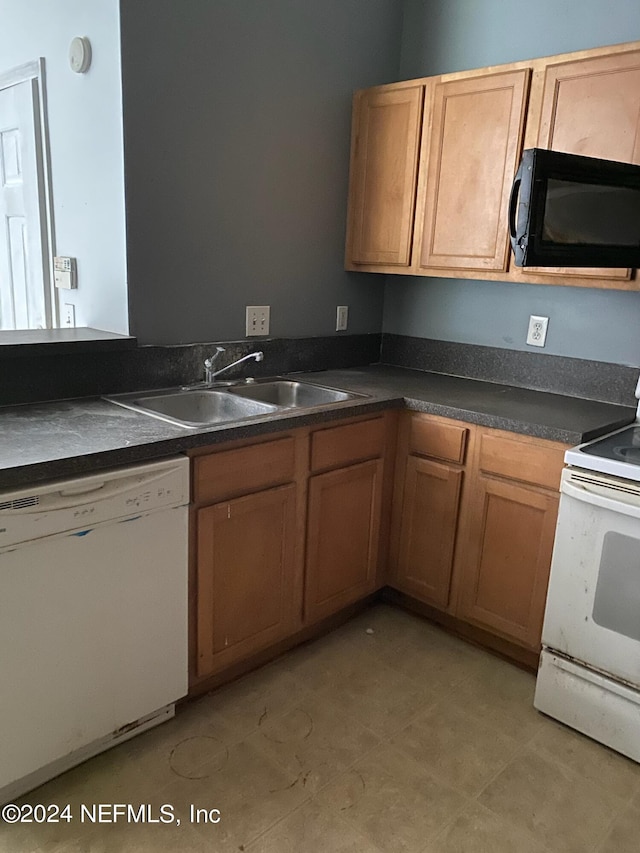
pixel 628 454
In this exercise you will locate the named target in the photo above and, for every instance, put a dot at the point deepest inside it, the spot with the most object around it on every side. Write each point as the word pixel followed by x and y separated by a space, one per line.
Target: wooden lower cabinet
pixel 245 576
pixel 293 528
pixel 429 477
pixel 473 535
pixel 343 534
pixel 431 498
pixel 506 560
pixel 285 531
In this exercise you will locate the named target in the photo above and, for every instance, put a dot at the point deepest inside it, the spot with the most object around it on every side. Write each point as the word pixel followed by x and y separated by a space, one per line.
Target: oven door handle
pixel 581 493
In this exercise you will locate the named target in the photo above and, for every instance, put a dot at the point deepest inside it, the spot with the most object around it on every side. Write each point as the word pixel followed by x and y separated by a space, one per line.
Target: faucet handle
pixel 208 362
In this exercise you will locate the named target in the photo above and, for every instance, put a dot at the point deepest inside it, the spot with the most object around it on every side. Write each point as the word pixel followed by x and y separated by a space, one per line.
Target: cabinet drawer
pixel 244 470
pixel 338 446
pixel 437 439
pixel 518 459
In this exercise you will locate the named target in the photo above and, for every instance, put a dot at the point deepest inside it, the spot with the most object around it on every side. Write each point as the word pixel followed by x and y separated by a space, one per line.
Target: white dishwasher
pixel 93 615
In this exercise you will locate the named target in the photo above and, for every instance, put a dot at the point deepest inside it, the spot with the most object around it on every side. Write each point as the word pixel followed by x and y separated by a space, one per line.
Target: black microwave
pixel 573 211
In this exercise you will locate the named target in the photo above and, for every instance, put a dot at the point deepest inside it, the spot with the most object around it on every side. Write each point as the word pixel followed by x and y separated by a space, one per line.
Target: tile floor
pixel 387 736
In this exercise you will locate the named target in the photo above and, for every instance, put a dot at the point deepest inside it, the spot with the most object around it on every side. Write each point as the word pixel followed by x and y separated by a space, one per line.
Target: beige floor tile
pixel 478 830
pixel 434 658
pixel 248 703
pixel 108 778
pixel 624 834
pixel 565 811
pixel 501 693
pixel 378 697
pixel 310 829
pixel 251 791
pixel 392 800
pixel 462 724
pixel 179 747
pixel 136 838
pixel 314 740
pixel 17 838
pixel 591 760
pixel 317 664
pixel 381 626
pixel 457 747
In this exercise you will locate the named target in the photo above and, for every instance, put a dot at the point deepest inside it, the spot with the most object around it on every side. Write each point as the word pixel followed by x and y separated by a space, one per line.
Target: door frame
pixel 34 72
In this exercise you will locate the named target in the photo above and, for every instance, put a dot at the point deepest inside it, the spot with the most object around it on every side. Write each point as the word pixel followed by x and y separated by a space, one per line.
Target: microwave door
pixel 572 211
pixel 590 214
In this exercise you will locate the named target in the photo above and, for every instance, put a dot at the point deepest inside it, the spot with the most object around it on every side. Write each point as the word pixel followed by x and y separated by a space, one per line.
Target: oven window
pixel 617 600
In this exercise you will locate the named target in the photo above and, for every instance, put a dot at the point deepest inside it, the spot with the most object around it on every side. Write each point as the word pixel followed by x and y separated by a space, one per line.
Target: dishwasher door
pixel 93 621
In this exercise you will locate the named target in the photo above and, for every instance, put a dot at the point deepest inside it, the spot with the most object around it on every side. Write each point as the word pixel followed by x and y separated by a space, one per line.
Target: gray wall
pixel 236 123
pixel 441 36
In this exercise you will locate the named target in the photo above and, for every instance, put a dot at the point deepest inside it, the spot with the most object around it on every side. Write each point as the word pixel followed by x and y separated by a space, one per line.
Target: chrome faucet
pixel 210 374
pixel 258 356
pixel 208 364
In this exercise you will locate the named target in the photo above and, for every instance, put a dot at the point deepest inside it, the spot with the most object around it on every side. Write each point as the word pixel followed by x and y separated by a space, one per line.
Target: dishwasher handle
pixel 76 491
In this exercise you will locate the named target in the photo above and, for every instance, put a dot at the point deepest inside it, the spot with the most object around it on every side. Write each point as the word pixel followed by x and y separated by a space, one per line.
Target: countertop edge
pixel 550 433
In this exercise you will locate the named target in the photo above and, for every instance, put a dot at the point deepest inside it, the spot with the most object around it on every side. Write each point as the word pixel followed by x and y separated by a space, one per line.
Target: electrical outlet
pixel 258 317
pixel 537 333
pixel 342 318
pixel 68 316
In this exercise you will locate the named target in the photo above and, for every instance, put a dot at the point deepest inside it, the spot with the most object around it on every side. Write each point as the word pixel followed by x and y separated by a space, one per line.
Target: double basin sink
pixel 192 408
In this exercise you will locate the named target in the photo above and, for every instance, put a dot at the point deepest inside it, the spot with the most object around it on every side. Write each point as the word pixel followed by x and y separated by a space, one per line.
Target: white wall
pixel 85 134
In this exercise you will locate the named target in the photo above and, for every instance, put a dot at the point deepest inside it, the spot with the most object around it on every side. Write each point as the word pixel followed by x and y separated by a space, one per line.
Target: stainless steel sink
pixel 194 408
pixel 200 407
pixel 288 394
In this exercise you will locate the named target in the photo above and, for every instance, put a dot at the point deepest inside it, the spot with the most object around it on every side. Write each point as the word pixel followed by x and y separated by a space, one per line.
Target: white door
pixel 23 253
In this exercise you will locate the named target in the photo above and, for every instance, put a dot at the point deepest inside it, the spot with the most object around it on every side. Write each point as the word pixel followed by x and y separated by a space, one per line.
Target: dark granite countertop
pixel 42 342
pixel 72 437
pixel 538 413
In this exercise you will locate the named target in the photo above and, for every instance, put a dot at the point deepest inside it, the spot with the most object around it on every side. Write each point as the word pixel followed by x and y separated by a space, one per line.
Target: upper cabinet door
pixel 592 107
pixel 384 161
pixel 467 168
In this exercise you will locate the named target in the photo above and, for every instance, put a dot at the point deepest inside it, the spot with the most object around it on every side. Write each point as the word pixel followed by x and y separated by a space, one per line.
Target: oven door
pixel 593 604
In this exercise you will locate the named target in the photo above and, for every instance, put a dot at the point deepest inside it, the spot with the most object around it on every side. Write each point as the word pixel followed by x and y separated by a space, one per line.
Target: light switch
pixel 64 273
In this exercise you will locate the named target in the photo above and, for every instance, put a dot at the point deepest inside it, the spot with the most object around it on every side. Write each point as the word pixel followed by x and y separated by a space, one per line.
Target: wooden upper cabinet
pixel 467 166
pixel 384 160
pixel 433 161
pixel 591 106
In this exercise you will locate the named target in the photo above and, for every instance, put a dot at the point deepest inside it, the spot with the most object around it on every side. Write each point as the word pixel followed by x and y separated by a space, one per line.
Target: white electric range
pixel 589 676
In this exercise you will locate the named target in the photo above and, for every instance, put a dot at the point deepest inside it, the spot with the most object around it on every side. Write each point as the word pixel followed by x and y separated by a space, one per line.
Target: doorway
pixel 26 242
